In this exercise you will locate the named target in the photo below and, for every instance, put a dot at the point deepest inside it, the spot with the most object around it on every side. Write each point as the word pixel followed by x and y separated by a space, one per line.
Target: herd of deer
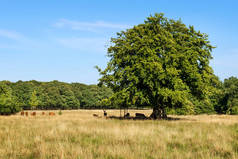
pixel 34 113
pixel 126 116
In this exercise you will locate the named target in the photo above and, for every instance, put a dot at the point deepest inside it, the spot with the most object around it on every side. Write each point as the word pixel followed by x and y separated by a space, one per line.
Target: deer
pixel 95 115
pixel 51 113
pixel 33 113
pixel 104 113
pixel 140 116
pixel 127 115
pixel 22 113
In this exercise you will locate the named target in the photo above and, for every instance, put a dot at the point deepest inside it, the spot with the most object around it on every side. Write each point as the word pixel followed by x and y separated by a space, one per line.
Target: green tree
pixel 22 91
pixel 229 101
pixel 69 101
pixel 8 103
pixel 161 63
pixel 34 102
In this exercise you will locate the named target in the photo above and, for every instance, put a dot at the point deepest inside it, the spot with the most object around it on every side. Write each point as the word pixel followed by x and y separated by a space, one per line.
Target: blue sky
pixel 63 40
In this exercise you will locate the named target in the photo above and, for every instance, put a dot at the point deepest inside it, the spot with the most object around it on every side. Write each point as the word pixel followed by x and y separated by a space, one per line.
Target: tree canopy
pixel 8 102
pixel 49 95
pixel 161 63
pixel 229 99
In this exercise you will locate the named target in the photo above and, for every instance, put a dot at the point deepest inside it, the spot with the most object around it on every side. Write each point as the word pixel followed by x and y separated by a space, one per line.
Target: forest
pixel 35 95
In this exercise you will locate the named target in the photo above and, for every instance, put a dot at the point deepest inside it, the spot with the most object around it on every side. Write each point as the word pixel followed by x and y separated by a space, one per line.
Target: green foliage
pixel 90 96
pixel 33 100
pixel 161 63
pixel 229 100
pixel 49 95
pixel 8 103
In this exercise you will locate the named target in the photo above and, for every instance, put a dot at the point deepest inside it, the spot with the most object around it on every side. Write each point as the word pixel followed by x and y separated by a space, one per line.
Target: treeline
pixel 222 99
pixel 228 99
pixel 59 95
pixel 49 95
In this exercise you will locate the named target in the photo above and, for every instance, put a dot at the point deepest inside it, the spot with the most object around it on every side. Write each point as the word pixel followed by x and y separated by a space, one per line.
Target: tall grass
pixel 79 135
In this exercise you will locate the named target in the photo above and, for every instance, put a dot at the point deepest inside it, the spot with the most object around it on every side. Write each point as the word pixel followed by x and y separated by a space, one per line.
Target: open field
pixel 79 135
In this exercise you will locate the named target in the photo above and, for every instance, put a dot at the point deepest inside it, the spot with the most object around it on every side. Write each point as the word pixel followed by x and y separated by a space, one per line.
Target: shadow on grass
pixel 144 118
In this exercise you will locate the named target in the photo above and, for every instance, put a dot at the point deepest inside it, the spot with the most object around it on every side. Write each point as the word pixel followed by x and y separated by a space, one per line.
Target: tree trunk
pixel 164 115
pixel 158 113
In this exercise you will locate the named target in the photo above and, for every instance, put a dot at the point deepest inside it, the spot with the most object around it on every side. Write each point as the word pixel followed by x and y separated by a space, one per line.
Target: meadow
pixel 77 134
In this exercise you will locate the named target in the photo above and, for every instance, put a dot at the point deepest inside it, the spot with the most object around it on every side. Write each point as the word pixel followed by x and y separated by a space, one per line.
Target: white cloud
pixel 89 26
pixel 15 40
pixel 88 44
pixel 11 35
pixel 85 44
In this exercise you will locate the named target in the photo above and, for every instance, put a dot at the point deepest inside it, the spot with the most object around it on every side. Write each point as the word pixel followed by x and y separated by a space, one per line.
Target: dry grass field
pixel 79 135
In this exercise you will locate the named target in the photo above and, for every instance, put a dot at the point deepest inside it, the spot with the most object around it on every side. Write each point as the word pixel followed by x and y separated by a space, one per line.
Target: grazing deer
pixel 43 113
pixel 127 115
pixel 33 113
pixel 51 113
pixel 140 116
pixel 95 115
pixel 26 113
pixel 22 113
pixel 104 113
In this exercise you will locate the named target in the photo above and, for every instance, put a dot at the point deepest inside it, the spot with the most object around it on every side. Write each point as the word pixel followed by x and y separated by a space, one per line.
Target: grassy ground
pixel 79 135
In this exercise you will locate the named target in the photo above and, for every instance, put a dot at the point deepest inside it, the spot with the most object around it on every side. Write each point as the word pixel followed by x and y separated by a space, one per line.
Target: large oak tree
pixel 161 63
